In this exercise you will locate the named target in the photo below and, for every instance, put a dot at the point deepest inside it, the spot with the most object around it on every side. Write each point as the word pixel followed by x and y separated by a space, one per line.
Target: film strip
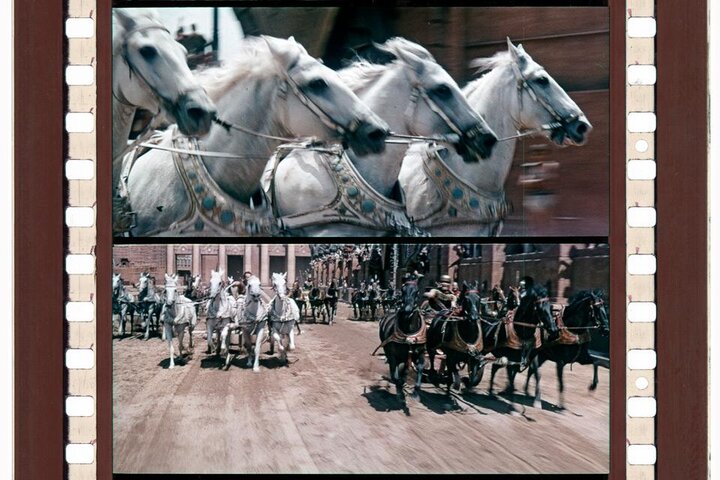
pixel 80 168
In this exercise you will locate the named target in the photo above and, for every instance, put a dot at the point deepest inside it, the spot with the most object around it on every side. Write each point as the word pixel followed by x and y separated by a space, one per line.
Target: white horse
pixel 148 301
pixel 448 196
pixel 123 303
pixel 318 194
pixel 273 91
pixel 283 314
pixel 220 310
pixel 178 312
pixel 150 72
pixel 252 318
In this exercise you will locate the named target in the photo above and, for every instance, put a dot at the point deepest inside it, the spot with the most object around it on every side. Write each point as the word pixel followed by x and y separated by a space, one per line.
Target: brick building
pixel 563 269
pixel 191 259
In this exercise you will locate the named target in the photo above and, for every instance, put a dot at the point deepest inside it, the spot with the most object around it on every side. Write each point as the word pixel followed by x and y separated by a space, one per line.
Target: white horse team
pixel 449 181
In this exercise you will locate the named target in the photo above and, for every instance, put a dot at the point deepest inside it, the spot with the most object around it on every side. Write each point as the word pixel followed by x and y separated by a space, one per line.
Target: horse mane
pixel 484 66
pixel 253 61
pixel 577 300
pixel 361 72
pixel 399 44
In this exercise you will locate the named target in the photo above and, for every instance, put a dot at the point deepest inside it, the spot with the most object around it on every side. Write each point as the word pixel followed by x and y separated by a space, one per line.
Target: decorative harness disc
pixel 356 201
pixel 211 210
pixel 461 203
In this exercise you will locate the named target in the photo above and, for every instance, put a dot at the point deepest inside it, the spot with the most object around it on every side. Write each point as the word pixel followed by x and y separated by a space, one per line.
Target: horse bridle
pixel 418 92
pixel 524 85
pixel 290 83
pixel 162 100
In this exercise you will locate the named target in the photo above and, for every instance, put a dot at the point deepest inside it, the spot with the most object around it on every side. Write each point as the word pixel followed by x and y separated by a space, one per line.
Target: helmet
pixel 445 279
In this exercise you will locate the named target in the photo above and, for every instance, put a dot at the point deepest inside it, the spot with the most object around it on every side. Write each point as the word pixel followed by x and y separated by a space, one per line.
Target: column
pixel 247 258
pixel 170 261
pixel 197 261
pixel 290 263
pixel 564 267
pixel 264 264
pixel 222 258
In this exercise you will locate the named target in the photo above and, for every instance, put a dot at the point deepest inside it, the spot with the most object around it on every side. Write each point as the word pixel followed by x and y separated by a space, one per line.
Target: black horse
pixel 585 312
pixel 460 338
pixel 371 302
pixel 330 300
pixel 389 300
pixel 317 302
pixel 532 314
pixel 403 336
pixel 358 302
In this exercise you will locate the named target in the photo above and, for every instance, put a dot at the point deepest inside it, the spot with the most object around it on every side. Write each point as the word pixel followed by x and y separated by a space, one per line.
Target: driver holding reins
pixel 441 298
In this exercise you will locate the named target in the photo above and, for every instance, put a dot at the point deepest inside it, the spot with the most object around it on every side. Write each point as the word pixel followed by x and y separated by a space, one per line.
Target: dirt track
pixel 332 411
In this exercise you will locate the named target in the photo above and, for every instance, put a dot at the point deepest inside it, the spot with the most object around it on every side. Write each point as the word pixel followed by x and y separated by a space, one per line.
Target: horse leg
pixel 594 383
pixel 493 371
pixel 247 342
pixel 419 367
pixel 535 365
pixel 209 327
pixel 191 329
pixel 224 340
pixel 181 339
pixel 559 367
pixel 146 320
pixel 258 345
pixel 297 325
pixel 292 339
pixel 169 337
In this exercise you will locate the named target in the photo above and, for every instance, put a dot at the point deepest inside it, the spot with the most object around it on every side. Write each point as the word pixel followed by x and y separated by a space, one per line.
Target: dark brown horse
pixel 403 336
pixel 515 336
pixel 460 338
pixel 585 313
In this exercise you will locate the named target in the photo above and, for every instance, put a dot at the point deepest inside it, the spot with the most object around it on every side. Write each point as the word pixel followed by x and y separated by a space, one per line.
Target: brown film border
pixel 681 240
pixel 39 236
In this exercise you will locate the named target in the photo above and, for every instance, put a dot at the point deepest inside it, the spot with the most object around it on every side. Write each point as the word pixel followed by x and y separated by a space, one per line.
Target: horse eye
pixel 318 85
pixel 442 91
pixel 148 53
pixel 542 81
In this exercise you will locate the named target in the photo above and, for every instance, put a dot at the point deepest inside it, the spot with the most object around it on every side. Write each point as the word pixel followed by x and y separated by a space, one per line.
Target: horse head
pixel 254 291
pixel 279 284
pixel 470 301
pixel 170 289
pixel 409 294
pixel 436 105
pixel 155 75
pixel 320 104
pixel 599 312
pixel 535 309
pixel 216 282
pixel 117 286
pixel 541 101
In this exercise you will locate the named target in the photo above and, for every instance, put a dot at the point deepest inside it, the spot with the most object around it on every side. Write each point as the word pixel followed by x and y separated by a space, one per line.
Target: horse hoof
pixel 537 404
pixel 172 365
pixel 256 369
pixel 592 387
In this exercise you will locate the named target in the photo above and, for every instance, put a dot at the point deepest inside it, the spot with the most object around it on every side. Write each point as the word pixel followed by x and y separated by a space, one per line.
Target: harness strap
pixel 356 202
pixel 461 203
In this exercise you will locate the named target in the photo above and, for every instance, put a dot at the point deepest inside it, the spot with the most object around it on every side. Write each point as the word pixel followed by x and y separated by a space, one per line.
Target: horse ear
pixel 412 60
pixel 517 54
pixel 286 52
pixel 285 275
pixel 127 22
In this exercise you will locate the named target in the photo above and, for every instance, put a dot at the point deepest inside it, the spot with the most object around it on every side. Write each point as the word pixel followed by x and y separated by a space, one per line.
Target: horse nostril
pixel 196 114
pixel 377 135
pixel 489 141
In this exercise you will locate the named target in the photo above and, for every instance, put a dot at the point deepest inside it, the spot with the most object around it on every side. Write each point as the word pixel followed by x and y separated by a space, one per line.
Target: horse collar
pixel 211 210
pixel 356 202
pixel 461 203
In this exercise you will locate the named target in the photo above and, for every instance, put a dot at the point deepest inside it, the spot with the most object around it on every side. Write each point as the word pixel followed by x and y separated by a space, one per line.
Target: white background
pixel 6 362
